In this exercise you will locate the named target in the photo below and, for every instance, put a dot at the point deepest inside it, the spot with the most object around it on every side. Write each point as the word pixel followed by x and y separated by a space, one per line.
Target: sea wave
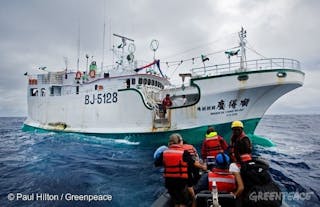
pixel 51 162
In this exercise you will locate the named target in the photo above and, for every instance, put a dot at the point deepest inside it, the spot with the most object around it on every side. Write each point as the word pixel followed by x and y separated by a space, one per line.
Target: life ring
pixel 92 74
pixel 78 75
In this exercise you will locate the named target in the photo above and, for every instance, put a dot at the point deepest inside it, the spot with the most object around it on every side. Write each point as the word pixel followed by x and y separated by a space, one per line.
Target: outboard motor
pixel 214 199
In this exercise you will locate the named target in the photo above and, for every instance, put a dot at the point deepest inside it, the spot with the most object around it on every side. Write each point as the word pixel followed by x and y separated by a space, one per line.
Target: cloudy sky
pixel 37 33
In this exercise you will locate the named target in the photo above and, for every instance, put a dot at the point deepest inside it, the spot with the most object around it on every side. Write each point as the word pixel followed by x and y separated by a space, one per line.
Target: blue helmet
pixel 158 152
pixel 222 160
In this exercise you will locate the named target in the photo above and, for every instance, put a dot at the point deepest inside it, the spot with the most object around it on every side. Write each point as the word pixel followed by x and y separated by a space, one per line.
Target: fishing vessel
pixel 127 97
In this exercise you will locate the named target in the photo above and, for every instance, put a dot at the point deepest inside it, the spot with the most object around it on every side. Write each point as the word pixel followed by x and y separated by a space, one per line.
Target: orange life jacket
pixel 233 146
pixel 226 181
pixel 174 166
pixel 245 157
pixel 212 145
pixel 190 149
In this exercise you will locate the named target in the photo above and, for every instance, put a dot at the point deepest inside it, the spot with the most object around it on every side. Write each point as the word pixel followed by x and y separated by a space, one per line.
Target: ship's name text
pixel 101 98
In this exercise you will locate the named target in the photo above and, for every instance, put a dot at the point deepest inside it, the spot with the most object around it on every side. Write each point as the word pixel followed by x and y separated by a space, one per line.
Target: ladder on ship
pixel 160 119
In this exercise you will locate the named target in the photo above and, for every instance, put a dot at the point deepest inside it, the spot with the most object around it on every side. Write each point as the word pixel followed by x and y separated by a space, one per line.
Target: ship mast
pixel 122 46
pixel 104 34
pixel 242 35
pixel 78 48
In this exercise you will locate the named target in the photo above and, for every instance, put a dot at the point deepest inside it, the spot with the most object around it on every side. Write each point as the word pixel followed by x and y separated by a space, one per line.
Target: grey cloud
pixel 38 33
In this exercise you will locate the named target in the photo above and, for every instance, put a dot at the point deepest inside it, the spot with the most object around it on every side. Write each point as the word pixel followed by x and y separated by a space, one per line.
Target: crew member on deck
pixel 239 141
pixel 166 103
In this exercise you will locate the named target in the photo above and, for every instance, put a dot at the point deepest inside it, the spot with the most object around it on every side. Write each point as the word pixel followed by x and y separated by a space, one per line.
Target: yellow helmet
pixel 236 124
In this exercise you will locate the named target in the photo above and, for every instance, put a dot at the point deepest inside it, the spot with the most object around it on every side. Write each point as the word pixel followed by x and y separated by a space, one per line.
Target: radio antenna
pixel 78 49
pixel 66 62
pixel 104 33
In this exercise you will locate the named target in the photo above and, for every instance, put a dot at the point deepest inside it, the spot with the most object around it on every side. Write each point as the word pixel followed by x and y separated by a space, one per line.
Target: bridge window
pixel 33 92
pixel 133 81
pixel 43 92
pixel 128 83
pixel 140 81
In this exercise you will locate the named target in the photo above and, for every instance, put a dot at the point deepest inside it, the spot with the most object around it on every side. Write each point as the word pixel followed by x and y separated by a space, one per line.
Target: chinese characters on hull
pixel 232 106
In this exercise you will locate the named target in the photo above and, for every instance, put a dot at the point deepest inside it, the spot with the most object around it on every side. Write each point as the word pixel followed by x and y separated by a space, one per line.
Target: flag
pixel 204 58
pixel 146 66
pixel 232 53
pixel 26 73
pixel 42 68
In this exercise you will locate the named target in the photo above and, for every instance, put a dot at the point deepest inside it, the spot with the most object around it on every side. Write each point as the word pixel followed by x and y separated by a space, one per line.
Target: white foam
pixel 125 141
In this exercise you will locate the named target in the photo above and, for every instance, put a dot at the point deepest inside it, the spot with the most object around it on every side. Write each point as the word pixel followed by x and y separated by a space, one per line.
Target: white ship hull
pixel 118 109
pixel 122 100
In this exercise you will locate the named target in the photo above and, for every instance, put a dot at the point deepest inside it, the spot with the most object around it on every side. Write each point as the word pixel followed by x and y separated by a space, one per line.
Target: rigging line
pixel 173 64
pixel 198 57
pixel 253 50
pixel 206 44
pixel 222 50
pixel 175 69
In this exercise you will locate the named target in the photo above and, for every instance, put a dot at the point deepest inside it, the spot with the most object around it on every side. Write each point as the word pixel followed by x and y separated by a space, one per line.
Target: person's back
pixel 176 171
pixel 175 167
pixel 212 144
pixel 192 150
pixel 177 162
pixel 257 180
pixel 226 181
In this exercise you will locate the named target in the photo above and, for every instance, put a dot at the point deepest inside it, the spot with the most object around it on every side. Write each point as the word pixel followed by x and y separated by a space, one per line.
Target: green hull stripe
pixel 192 136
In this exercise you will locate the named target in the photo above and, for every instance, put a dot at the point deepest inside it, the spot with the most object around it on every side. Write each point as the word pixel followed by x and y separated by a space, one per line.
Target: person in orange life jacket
pixel 177 162
pixel 194 175
pixel 239 141
pixel 193 172
pixel 166 103
pixel 212 145
pixel 227 181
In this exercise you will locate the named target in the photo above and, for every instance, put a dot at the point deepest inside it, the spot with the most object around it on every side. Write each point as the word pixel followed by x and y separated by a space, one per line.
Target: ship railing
pixel 51 78
pixel 250 65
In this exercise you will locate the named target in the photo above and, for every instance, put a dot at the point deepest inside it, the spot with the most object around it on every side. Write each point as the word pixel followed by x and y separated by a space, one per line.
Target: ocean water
pixel 56 169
